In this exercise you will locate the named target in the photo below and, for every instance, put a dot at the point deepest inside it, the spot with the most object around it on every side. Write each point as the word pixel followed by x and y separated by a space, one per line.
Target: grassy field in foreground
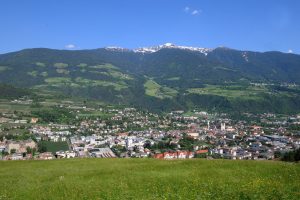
pixel 149 179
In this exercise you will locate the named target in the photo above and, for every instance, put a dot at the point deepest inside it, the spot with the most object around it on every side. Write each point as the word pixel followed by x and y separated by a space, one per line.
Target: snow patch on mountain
pixel 153 49
pixel 205 51
pixel 245 56
pixel 115 48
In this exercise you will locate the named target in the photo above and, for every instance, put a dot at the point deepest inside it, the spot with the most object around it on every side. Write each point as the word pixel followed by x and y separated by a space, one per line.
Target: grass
pixel 86 82
pixel 62 71
pixel 110 70
pixel 82 82
pixel 231 92
pixel 44 74
pixel 58 80
pixel 82 65
pixel 60 65
pixel 117 82
pixel 8 106
pixel 174 78
pixel 105 66
pixel 33 73
pixel 40 64
pixel 4 68
pixel 155 90
pixel 55 146
pixel 152 88
pixel 148 179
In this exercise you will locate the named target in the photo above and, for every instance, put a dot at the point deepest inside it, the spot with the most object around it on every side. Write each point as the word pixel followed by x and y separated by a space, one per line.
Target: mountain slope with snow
pixel 153 49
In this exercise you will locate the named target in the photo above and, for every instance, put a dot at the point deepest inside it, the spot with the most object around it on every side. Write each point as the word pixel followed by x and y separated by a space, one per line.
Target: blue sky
pixel 259 25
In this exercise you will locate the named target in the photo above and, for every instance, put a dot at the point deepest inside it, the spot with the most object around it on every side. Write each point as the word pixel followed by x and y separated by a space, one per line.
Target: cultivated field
pixel 149 179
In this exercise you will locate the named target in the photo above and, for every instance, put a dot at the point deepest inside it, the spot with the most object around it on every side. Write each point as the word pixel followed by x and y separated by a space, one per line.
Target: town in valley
pixel 71 129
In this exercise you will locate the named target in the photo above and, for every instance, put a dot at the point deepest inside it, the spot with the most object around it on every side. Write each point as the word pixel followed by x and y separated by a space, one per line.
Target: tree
pixel 28 150
pixel 201 155
pixel 297 155
pixel 42 147
pixel 187 143
pixel 277 154
pixel 292 156
pixel 33 151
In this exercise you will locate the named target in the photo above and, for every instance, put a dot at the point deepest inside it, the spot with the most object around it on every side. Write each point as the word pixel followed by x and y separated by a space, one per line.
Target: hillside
pixel 148 179
pixel 10 92
pixel 165 78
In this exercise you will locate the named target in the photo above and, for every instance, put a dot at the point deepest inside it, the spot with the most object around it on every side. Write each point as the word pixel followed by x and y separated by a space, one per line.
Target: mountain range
pixel 164 77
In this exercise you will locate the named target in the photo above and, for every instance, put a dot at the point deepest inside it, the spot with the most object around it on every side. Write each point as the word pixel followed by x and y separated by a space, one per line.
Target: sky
pixel 256 25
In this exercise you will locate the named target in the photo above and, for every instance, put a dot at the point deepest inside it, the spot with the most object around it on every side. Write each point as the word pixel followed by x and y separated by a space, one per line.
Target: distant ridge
pixel 162 77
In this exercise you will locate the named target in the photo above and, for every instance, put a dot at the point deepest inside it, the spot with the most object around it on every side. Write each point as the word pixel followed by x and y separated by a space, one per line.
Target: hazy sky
pixel 261 25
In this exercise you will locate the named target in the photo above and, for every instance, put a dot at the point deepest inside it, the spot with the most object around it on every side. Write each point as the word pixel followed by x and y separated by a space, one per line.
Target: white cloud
pixel 70 46
pixel 290 51
pixel 192 11
pixel 187 9
pixel 195 12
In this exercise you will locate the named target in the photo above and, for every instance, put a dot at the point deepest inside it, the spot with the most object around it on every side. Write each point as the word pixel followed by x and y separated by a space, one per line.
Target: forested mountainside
pixel 164 78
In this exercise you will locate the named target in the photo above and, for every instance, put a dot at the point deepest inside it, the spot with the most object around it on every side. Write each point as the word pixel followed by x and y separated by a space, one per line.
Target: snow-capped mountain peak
pixel 146 50
pixel 205 51
pixel 168 45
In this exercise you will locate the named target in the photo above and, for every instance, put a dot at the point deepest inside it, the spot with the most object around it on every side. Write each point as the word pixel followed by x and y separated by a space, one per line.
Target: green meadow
pixel 153 89
pixel 149 179
pixel 232 91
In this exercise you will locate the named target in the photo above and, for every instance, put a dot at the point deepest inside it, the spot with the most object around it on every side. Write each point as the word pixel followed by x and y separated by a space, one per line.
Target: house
pixel 34 120
pixel 190 155
pixel 28 143
pixel 81 154
pixel 60 154
pixel 216 151
pixel 255 146
pixel 174 155
pixel 102 153
pixel 243 154
pixel 230 136
pixel 170 155
pixel 29 156
pixel 193 134
pixel 256 130
pixel 17 156
pixel 46 156
pixel 202 151
pixel 22 121
pixel 182 154
pixel 3 145
pixel 13 146
pixel 20 146
pixel 5 120
pixel 70 154
pixel 159 156
pixel 65 154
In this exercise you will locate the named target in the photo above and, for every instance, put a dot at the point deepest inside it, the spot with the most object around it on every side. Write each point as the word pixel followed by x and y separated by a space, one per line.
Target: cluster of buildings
pixel 17 150
pixel 180 154
pixel 127 132
pixel 17 146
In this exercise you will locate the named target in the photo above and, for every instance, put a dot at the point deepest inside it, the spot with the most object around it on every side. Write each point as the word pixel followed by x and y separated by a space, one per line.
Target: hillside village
pixel 130 133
